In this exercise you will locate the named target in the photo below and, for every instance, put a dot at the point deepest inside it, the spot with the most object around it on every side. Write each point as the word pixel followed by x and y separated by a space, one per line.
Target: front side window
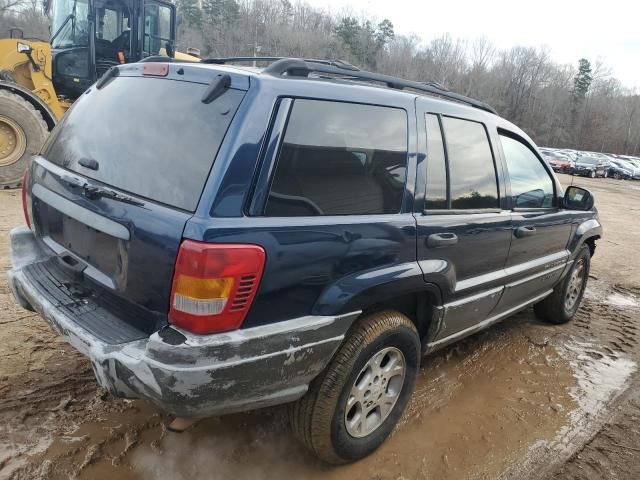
pixel 340 159
pixel 531 185
pixel 471 168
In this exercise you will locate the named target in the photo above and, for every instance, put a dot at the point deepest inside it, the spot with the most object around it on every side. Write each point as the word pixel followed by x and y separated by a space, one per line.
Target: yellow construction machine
pixel 39 80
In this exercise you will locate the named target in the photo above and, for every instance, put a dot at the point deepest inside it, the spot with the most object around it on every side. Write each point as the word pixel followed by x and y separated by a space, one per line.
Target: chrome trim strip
pixel 534 276
pixel 473 298
pixel 81 214
pixel 509 271
pixel 485 323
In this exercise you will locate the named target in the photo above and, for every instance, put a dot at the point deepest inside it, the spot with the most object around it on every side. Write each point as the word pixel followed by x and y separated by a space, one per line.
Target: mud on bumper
pixel 187 374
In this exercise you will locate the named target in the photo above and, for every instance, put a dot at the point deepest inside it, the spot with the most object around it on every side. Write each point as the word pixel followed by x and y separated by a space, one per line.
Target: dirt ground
pixel 520 400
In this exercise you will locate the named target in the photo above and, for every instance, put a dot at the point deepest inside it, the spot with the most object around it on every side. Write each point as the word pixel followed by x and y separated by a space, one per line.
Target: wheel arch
pixel 46 112
pixel 403 289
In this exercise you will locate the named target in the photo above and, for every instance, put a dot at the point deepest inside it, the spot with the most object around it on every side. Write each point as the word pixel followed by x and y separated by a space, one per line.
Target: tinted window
pixel 338 159
pixel 531 185
pixel 436 195
pixel 162 148
pixel 471 168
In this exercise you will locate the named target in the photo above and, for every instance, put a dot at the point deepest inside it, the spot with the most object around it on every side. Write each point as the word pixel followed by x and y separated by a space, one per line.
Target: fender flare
pixel 360 291
pixel 47 114
pixel 589 229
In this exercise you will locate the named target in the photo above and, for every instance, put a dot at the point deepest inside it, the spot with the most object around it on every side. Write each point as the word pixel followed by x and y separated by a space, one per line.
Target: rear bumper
pixel 187 374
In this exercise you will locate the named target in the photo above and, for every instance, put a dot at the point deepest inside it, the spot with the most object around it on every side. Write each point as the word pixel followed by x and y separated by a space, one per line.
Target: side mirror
pixel 576 198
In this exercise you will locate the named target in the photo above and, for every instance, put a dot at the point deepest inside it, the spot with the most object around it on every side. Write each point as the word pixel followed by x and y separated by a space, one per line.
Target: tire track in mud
pixel 601 344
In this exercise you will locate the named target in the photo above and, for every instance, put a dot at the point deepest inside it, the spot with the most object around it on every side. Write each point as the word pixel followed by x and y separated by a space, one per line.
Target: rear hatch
pixel 118 180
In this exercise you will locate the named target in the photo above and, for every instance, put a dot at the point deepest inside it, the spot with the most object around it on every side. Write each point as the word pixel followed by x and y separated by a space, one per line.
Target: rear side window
pixel 471 168
pixel 340 159
pixel 151 137
pixel 531 185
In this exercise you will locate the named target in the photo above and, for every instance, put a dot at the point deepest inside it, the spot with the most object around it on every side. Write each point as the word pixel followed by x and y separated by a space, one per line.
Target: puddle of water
pixel 622 301
pixel 599 378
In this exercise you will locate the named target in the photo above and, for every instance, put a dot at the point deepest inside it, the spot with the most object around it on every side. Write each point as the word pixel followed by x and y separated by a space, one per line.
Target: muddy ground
pixel 521 400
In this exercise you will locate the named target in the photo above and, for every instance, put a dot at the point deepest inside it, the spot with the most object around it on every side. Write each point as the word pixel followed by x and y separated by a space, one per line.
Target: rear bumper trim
pixel 203 374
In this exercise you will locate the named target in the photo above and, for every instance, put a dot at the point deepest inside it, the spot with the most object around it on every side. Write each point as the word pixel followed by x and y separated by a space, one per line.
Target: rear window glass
pixel 151 137
pixel 340 159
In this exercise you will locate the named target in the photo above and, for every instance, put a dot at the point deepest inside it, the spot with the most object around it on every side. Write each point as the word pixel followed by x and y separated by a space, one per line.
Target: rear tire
pixel 335 425
pixel 592 174
pixel 23 131
pixel 563 303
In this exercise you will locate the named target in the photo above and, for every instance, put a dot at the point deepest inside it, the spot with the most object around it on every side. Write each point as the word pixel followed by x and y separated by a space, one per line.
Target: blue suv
pixel 217 238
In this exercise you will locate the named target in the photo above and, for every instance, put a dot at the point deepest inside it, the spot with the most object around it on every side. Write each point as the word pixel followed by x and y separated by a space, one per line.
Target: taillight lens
pixel 214 285
pixel 26 200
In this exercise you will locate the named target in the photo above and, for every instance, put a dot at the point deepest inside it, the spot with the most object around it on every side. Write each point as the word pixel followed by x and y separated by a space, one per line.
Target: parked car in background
pixel 572 154
pixel 590 166
pixel 557 161
pixel 621 169
pixel 635 161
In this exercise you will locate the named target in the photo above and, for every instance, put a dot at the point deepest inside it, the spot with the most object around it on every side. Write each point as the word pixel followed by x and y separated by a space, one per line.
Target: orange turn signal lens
pixel 203 288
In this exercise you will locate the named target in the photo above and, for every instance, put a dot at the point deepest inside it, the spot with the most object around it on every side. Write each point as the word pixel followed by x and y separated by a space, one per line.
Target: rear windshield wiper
pixel 93 192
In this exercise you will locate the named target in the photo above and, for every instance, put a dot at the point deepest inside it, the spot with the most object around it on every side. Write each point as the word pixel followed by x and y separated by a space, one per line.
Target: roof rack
pixel 335 63
pixel 302 68
pixel 299 67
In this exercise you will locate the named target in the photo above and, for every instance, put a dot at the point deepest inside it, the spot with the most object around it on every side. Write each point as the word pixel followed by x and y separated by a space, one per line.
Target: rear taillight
pixel 214 285
pixel 26 201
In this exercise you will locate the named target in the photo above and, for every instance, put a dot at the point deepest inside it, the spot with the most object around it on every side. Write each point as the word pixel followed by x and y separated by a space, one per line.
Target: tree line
pixel 578 106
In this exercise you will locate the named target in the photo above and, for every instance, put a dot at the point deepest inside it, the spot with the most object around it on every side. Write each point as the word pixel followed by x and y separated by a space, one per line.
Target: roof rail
pixel 335 63
pixel 302 68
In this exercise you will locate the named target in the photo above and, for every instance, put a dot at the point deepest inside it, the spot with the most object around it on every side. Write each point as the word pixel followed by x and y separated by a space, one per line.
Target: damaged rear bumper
pixel 187 374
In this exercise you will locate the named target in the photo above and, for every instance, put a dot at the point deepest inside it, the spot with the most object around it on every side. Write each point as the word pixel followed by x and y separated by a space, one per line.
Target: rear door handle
pixel 525 231
pixel 436 240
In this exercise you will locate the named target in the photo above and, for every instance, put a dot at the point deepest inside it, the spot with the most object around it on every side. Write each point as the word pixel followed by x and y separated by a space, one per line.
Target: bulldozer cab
pixel 90 36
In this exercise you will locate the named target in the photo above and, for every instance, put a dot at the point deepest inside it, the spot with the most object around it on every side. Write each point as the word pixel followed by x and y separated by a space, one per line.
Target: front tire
pixel 592 174
pixel 354 404
pixel 22 134
pixel 563 303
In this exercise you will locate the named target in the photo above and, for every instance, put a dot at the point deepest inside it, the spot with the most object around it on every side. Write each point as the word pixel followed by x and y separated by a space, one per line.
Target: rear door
pixel 463 231
pixel 540 229
pixel 120 177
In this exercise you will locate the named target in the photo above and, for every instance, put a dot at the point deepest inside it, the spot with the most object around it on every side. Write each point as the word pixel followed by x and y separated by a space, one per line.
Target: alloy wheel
pixel 375 392
pixel 574 288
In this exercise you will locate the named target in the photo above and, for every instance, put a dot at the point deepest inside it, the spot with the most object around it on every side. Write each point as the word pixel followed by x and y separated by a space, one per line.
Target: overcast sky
pixel 606 29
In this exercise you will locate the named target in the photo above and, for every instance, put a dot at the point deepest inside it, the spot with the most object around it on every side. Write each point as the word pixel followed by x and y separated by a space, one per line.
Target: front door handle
pixel 522 232
pixel 436 240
